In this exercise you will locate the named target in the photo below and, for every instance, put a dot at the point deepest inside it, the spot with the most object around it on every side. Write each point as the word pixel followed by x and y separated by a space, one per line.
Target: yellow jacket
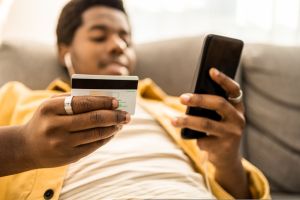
pixel 18 104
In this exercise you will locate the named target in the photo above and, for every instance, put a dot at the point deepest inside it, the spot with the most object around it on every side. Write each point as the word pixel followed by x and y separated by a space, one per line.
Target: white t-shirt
pixel 141 162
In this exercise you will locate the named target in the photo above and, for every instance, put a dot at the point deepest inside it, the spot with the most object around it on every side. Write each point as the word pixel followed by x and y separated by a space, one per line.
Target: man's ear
pixel 62 50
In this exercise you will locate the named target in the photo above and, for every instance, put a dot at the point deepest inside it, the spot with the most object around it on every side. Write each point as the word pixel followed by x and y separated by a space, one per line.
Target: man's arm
pixel 13 158
pixel 234 179
pixel 52 138
pixel 223 141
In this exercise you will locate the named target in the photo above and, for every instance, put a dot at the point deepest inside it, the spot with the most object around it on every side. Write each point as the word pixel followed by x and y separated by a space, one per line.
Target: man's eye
pixel 98 39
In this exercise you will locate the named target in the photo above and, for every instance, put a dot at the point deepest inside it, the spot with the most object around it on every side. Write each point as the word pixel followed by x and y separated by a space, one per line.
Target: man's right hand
pixel 52 138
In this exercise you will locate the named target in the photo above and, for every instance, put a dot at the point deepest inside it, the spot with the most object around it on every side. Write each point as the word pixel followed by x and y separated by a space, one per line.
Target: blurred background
pixel 268 21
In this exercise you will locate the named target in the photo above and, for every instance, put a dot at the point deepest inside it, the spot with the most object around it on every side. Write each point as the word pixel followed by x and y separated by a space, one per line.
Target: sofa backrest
pixel 269 79
pixel 31 63
pixel 170 63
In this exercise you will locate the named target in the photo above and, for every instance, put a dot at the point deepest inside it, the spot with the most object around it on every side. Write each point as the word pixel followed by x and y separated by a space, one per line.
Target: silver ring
pixel 68 105
pixel 236 100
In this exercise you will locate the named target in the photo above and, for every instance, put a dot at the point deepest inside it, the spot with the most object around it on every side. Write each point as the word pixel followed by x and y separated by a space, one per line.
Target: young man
pixel 147 158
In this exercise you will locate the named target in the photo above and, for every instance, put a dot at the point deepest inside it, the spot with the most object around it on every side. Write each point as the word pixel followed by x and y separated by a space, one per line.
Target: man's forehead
pixel 102 14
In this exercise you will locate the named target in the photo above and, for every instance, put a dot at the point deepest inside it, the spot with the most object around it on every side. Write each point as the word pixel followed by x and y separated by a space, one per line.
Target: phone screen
pixel 219 52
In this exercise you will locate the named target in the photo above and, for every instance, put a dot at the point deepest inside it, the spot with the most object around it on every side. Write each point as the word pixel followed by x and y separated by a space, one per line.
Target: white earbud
pixel 68 63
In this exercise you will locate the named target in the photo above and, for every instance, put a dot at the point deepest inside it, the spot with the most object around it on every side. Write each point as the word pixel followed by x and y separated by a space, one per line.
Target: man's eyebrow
pixel 98 27
pixel 105 28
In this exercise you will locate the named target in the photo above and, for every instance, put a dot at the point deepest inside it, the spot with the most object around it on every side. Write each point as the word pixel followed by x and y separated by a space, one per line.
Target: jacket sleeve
pixel 258 183
pixel 10 94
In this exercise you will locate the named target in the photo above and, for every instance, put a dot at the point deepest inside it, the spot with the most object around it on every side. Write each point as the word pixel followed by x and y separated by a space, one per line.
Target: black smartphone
pixel 219 52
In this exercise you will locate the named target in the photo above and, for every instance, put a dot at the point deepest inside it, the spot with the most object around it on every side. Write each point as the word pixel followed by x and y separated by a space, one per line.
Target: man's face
pixel 102 44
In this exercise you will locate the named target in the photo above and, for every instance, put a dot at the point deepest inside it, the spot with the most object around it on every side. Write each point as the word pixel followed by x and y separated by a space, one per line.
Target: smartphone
pixel 220 52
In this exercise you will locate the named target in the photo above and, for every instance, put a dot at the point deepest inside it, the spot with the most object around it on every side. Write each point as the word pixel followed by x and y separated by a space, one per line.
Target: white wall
pixel 271 21
pixel 268 21
pixel 5 6
pixel 33 19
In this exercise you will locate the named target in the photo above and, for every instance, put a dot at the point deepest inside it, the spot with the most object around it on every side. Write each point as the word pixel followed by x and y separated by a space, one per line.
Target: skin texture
pixel 102 45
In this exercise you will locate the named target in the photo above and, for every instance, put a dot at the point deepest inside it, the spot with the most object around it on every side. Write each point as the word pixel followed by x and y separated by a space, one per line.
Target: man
pixel 145 159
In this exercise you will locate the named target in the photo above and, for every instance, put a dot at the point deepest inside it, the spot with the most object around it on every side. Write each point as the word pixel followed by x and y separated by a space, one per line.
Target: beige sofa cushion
pixel 32 63
pixel 171 63
pixel 271 82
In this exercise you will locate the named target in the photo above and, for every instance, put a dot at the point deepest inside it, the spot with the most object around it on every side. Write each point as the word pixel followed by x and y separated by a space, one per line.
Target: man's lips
pixel 116 69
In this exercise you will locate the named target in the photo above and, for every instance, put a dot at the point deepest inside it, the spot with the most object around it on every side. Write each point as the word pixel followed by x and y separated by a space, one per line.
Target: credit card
pixel 123 88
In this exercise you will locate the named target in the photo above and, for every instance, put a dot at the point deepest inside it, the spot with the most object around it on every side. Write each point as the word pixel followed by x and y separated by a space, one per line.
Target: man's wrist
pixel 230 167
pixel 233 178
pixel 232 163
pixel 21 150
pixel 25 156
pixel 13 151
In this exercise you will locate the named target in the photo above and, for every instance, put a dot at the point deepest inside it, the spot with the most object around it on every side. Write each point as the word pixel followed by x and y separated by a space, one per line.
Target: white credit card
pixel 123 88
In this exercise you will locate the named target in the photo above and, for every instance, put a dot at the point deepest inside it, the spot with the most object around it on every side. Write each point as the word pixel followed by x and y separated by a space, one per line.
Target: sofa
pixel 269 76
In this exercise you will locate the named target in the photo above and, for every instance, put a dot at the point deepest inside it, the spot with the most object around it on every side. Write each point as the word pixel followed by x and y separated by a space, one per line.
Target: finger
pixel 93 135
pixel 86 149
pixel 201 124
pixel 211 102
pixel 95 119
pixel 89 103
pixel 80 104
pixel 231 87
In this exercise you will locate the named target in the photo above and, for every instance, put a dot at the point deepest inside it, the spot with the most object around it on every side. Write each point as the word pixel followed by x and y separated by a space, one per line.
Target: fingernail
pixel 127 118
pixel 174 121
pixel 185 98
pixel 215 71
pixel 115 103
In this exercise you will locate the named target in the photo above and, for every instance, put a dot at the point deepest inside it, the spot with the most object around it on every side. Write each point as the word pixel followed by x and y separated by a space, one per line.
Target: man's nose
pixel 117 45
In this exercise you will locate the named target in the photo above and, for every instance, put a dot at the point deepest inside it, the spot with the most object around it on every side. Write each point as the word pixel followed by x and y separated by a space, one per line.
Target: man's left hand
pixel 224 136
pixel 222 143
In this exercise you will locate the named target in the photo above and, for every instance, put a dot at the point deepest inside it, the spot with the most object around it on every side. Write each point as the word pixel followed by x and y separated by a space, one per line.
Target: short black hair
pixel 71 17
